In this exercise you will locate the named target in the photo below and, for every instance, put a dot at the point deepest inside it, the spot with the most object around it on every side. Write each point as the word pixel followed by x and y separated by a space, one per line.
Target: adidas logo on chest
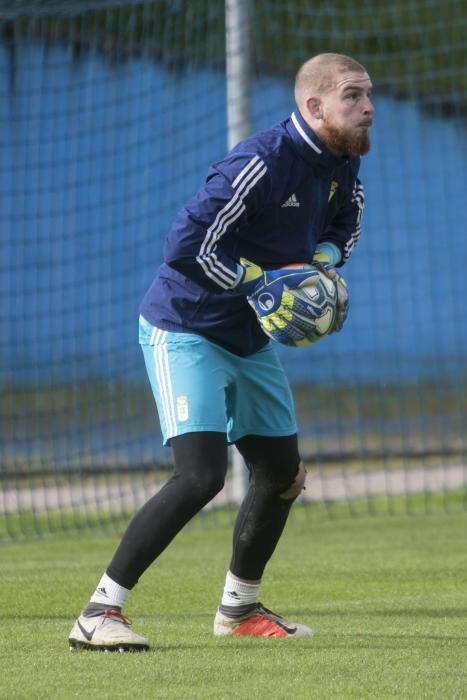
pixel 291 202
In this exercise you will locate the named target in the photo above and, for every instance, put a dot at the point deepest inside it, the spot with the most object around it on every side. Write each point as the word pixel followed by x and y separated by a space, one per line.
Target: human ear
pixel 314 107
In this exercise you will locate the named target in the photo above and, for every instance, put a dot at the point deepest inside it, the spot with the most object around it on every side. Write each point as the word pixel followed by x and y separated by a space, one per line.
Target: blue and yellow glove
pixel 282 316
pixel 324 260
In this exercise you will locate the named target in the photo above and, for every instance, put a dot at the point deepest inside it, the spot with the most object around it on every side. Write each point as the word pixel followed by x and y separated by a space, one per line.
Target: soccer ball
pixel 320 301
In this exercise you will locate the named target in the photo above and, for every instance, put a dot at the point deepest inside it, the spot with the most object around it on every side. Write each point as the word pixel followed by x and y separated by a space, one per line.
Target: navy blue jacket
pixel 271 200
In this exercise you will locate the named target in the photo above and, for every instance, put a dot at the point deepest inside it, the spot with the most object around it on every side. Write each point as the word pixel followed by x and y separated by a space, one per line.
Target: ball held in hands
pixel 295 305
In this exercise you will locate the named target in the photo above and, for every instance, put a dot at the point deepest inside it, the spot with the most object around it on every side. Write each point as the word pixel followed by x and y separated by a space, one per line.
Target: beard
pixel 350 142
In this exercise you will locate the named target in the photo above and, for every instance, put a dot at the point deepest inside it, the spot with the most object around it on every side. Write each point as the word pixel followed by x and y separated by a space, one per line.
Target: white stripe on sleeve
pixel 207 258
pixel 359 198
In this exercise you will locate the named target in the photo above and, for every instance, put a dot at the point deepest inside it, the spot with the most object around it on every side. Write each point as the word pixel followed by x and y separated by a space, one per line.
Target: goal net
pixel 111 113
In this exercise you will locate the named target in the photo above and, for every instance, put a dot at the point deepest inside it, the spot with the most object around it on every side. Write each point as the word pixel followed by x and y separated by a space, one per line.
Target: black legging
pixel 200 467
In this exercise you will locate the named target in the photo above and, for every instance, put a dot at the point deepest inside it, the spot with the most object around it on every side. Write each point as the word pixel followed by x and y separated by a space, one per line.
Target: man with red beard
pixel 287 195
pixel 336 103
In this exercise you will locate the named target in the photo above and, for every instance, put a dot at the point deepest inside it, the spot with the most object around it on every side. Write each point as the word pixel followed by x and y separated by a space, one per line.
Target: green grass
pixel 387 596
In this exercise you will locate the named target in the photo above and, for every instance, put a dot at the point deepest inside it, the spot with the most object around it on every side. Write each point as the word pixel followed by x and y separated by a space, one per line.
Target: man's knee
pixel 297 485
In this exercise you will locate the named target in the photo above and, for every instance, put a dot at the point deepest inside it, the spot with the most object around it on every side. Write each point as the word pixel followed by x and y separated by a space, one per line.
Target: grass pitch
pixel 386 594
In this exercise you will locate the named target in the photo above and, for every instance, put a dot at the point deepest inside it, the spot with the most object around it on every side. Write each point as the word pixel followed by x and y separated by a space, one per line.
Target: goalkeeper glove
pixel 282 316
pixel 321 261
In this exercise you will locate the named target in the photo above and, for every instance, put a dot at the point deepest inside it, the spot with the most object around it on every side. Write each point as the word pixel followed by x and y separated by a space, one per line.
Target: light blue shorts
pixel 198 386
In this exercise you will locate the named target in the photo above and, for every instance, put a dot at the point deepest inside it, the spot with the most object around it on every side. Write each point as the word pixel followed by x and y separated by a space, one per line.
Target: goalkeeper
pixel 287 195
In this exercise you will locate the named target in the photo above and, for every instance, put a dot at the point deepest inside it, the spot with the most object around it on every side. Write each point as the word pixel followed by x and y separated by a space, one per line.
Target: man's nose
pixel 369 107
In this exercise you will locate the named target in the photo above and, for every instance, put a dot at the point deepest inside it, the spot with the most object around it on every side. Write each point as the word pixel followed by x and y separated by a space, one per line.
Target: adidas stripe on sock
pixel 238 593
pixel 109 593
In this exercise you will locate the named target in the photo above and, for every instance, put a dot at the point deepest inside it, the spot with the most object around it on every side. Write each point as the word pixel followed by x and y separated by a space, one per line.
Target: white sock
pixel 109 593
pixel 237 593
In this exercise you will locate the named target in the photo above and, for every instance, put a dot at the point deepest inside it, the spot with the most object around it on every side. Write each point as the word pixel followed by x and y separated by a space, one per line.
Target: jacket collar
pixel 309 146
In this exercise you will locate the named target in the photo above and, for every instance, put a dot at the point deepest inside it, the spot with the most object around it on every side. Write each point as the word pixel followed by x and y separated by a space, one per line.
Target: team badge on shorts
pixel 182 408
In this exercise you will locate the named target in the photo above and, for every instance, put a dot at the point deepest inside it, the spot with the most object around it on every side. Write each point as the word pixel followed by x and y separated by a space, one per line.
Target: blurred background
pixel 111 113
